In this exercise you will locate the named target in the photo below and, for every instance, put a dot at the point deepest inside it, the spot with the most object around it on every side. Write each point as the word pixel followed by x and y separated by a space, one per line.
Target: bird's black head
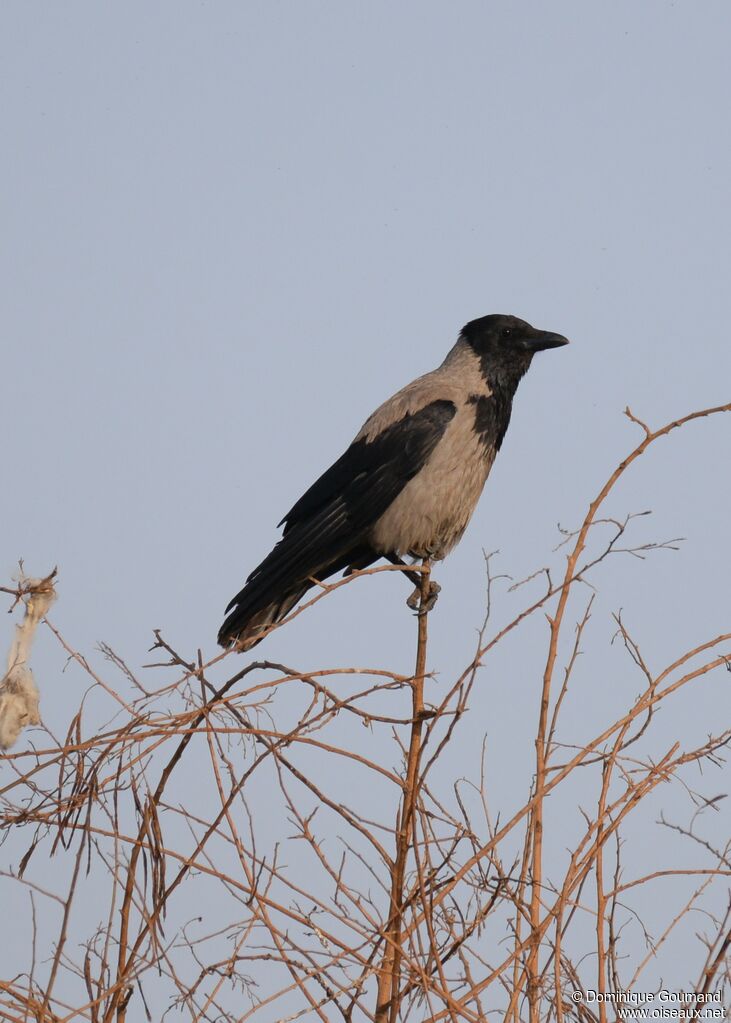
pixel 505 346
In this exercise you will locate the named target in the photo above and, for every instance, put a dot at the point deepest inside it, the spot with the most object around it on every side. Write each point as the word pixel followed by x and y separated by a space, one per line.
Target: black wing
pixel 331 520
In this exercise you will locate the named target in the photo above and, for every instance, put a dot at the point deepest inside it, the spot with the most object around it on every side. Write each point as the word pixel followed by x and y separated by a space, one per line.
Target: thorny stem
pixel 389 976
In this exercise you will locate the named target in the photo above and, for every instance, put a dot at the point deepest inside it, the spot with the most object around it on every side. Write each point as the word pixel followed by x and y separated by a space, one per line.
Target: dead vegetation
pixel 280 845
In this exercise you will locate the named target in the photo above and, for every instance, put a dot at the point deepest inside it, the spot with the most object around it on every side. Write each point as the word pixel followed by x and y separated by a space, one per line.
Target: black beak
pixel 543 339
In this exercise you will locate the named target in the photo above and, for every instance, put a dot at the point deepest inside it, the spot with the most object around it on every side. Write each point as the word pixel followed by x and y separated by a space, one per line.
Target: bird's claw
pixel 414 601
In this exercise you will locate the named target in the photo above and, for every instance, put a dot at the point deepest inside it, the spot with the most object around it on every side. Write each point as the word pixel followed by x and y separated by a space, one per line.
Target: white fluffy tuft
pixel 19 696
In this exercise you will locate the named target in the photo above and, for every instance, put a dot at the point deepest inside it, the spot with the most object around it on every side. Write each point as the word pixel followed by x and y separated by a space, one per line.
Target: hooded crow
pixel 409 482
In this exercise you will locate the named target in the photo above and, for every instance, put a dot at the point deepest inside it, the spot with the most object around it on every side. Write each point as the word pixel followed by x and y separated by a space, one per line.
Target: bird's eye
pixel 507 331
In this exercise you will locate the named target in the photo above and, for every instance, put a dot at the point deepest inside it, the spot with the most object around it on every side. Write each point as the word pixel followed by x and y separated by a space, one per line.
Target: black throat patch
pixel 492 415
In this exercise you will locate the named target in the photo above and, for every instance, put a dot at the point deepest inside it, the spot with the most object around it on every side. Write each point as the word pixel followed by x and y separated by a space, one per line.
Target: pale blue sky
pixel 230 230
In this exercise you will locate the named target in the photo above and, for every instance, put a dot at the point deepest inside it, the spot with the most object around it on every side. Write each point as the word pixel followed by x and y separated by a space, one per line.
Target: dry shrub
pixel 249 849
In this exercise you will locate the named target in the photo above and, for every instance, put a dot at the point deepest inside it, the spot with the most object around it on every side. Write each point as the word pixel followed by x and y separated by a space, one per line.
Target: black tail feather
pixel 244 628
pixel 268 597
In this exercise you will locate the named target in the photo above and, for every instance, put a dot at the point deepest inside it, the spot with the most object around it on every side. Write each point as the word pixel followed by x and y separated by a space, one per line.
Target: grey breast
pixel 431 513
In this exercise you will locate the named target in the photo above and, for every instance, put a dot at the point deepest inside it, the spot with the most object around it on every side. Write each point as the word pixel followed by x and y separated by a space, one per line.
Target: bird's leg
pixel 415 578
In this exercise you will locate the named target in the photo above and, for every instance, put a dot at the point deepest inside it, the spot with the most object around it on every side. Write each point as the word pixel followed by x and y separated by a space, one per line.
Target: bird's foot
pixel 414 600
